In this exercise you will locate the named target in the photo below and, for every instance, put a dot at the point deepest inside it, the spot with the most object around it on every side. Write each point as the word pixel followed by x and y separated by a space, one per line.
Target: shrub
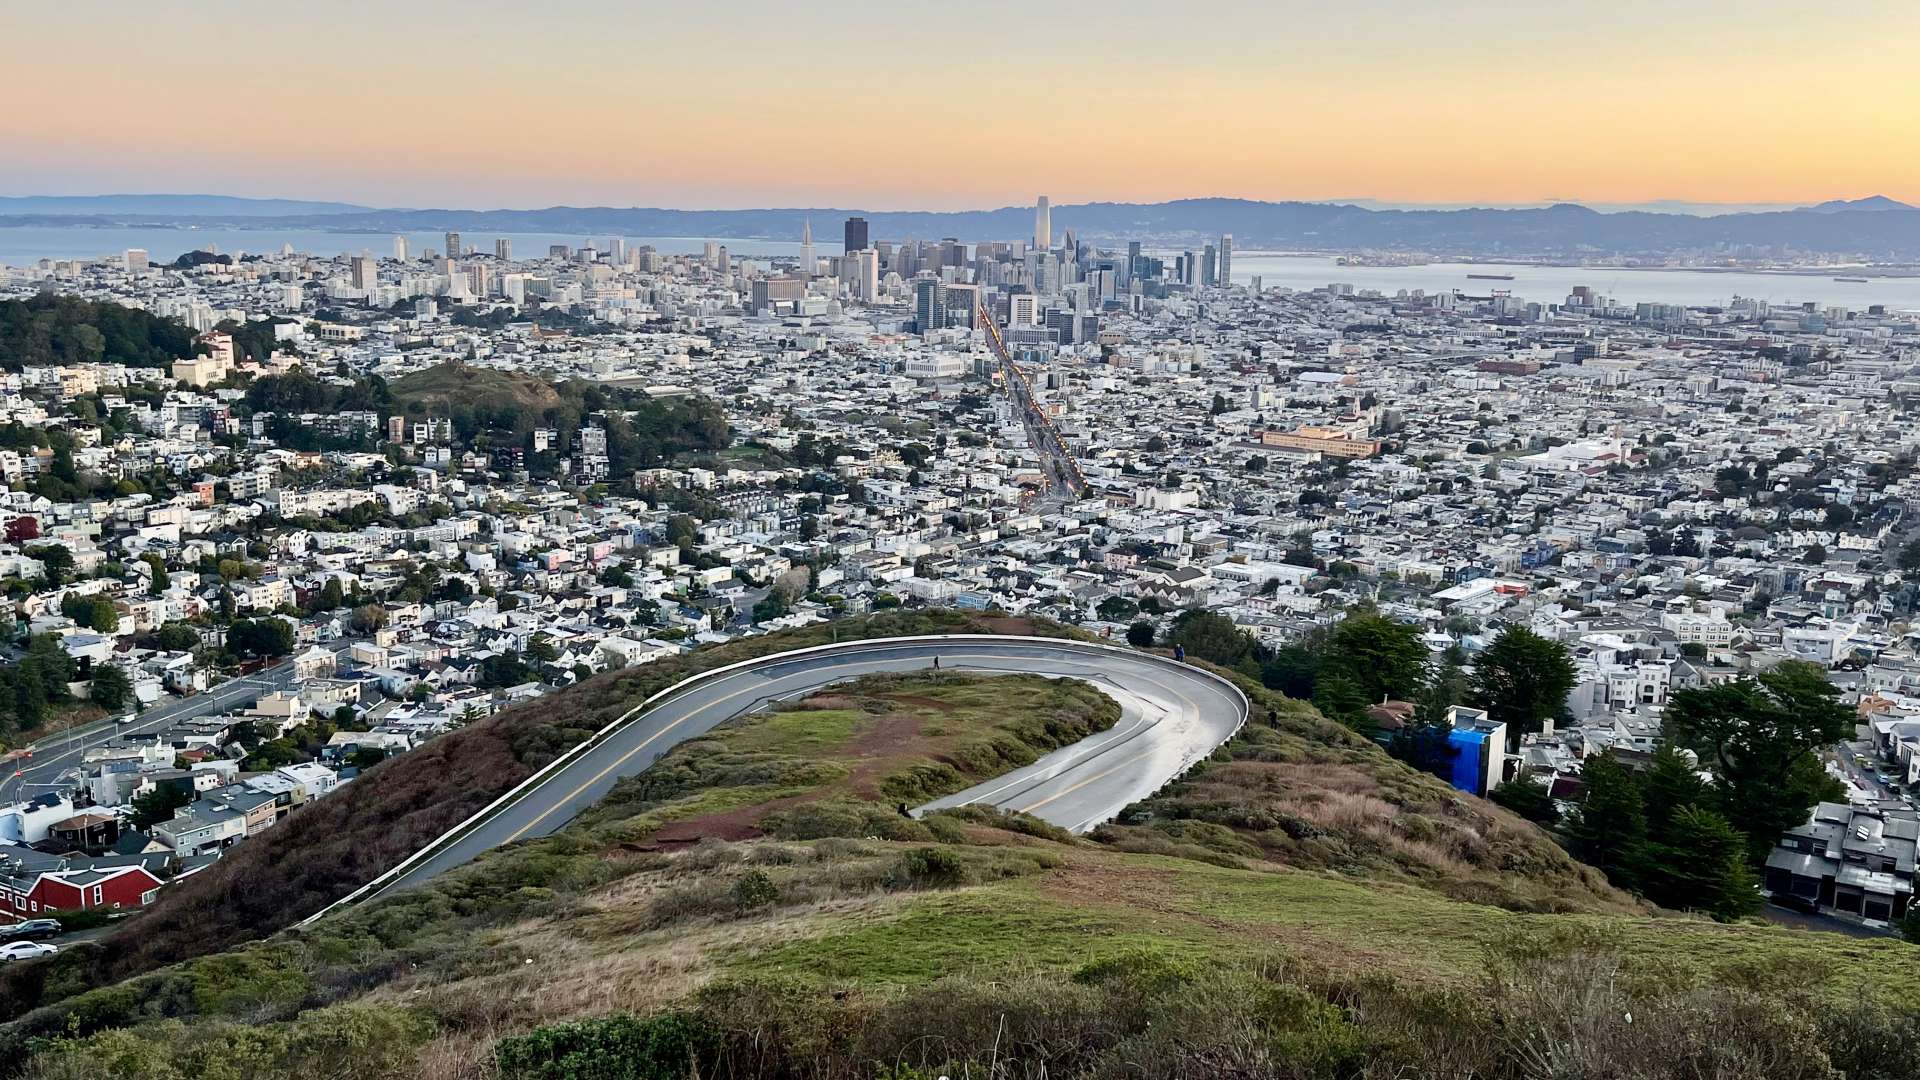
pixel 754 889
pixel 930 868
pixel 670 1046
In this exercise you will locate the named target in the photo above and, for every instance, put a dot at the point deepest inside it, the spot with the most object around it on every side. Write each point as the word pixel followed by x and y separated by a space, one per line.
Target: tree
pixel 176 637
pixel 267 637
pixel 1140 634
pixel 1210 636
pixel 1527 797
pixel 56 561
pixel 1522 679
pixel 1700 864
pixel 1339 698
pixel 1293 670
pixel 370 617
pixel 1609 829
pixel 158 805
pixel 1115 608
pixel 103 617
pixel 1384 659
pixel 1758 735
pixel 1219 404
pixel 541 648
pixel 157 580
pixel 1444 687
pixel 110 687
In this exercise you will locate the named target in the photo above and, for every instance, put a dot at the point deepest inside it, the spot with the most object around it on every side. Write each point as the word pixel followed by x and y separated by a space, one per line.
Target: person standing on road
pixel 1180 653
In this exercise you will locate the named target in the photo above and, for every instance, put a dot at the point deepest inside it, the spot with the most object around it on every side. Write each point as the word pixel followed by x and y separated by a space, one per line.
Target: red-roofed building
pixel 114 889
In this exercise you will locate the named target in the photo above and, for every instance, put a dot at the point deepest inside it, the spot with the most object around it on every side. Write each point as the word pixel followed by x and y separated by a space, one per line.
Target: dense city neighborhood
pixel 272 518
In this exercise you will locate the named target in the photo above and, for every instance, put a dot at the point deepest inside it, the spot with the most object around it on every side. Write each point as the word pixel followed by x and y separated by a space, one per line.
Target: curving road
pixel 1172 715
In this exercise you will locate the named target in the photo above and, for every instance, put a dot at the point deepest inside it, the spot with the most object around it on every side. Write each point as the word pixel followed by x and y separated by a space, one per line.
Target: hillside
pixel 48 329
pixel 1302 905
pixel 443 387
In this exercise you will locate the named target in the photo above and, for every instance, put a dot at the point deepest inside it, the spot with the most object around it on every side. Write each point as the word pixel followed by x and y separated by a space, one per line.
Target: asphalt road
pixel 1172 714
pixel 58 754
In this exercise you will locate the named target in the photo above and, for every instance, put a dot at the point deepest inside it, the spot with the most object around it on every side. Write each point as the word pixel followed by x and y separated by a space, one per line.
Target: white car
pixel 25 950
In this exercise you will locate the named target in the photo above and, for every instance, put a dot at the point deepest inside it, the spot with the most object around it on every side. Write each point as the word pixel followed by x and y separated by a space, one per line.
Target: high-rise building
pixel 503 249
pixel 866 274
pixel 856 234
pixel 400 247
pixel 137 260
pixel 1210 267
pixel 454 250
pixel 1226 260
pixel 1133 261
pixel 929 304
pixel 1025 310
pixel 806 248
pixel 712 254
pixel 1042 224
pixel 366 272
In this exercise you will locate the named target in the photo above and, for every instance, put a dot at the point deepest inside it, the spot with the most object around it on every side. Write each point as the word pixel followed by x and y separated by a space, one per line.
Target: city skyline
pixel 472 106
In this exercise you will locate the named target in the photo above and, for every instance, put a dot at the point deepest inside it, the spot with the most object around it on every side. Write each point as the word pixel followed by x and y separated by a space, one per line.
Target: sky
pixel 913 105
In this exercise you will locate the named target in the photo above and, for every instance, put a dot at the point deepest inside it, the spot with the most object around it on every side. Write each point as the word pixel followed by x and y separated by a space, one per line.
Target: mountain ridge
pixel 1876 228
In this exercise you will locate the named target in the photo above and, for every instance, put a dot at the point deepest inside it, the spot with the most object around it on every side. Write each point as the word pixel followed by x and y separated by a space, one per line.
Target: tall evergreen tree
pixel 1609 829
pixel 1522 680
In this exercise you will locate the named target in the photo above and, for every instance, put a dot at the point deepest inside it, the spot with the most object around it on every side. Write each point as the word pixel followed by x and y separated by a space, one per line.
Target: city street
pixel 59 754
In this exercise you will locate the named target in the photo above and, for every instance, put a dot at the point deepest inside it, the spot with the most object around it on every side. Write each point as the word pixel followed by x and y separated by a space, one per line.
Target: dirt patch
pixel 1007 624
pixel 740 824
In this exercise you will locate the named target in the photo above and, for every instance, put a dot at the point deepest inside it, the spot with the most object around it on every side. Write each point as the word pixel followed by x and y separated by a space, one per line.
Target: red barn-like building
pixel 114 889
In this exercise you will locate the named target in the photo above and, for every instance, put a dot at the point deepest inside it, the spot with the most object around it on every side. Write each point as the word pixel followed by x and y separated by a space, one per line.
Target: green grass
pixel 1218 914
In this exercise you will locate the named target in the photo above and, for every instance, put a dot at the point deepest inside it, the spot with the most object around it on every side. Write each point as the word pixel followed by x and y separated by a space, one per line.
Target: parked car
pixel 32 928
pixel 25 950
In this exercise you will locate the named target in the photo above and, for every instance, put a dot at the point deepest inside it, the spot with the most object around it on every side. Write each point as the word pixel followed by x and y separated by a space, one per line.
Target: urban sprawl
pixel 365 500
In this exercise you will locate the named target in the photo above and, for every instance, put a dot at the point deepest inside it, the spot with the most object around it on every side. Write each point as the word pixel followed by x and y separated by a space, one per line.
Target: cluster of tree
pixel 93 612
pixel 1685 840
pixel 1662 836
pixel 266 637
pixel 303 743
pixel 30 688
pixel 505 669
pixel 50 329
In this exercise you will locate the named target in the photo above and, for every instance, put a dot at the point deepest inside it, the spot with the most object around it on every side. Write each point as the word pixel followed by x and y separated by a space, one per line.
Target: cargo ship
pixel 1852 280
pixel 1489 277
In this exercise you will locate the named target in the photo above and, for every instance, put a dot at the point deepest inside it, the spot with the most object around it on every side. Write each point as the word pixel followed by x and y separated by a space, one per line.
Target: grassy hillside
pixel 756 906
pixel 442 387
pixel 332 847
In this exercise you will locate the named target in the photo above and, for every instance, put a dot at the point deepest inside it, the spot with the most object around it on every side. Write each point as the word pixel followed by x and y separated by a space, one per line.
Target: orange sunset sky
pixel 940 106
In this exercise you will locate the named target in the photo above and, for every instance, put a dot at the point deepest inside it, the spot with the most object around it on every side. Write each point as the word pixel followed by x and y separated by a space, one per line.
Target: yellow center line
pixel 1031 807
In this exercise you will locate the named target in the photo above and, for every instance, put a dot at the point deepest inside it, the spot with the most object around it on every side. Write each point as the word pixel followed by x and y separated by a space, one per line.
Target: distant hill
pixel 453 384
pixel 169 205
pixel 1870 203
pixel 1563 230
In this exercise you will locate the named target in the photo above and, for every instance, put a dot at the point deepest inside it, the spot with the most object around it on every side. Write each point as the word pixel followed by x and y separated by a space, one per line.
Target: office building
pixel 454 250
pixel 136 260
pixel 503 249
pixel 856 234
pixel 365 272
pixel 865 274
pixel 929 304
pixel 400 247
pixel 1226 260
pixel 1042 224
pixel 807 265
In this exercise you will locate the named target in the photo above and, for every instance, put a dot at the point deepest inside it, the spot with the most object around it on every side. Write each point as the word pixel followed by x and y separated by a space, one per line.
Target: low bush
pixel 669 1046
